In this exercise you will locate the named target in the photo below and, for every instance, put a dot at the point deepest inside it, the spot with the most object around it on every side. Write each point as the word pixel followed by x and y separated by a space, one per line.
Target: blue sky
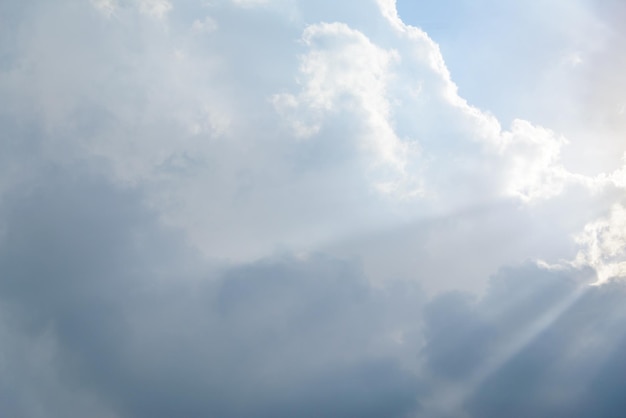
pixel 294 208
pixel 543 61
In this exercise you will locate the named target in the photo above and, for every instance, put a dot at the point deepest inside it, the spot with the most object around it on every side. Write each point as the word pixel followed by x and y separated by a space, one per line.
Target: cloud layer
pixel 286 208
pixel 117 317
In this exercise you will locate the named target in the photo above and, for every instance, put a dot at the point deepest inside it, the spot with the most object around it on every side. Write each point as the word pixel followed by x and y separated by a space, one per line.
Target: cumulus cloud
pixel 259 208
pixel 604 245
pixel 344 69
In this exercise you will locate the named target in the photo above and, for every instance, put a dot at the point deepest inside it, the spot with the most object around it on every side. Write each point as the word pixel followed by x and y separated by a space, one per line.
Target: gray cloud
pixel 194 221
pixel 538 343
pixel 85 265
pixel 114 314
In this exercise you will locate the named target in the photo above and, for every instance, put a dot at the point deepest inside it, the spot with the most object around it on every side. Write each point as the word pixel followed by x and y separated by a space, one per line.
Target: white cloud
pixel 107 7
pixel 532 160
pixel 156 178
pixel 364 126
pixel 604 245
pixel 344 71
pixel 155 8
pixel 271 134
pixel 206 25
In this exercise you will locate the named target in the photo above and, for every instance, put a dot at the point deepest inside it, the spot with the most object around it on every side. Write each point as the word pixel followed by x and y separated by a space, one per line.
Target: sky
pixel 295 208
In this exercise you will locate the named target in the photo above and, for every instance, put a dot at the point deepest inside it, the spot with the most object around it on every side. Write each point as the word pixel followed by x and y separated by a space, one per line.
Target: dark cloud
pixel 134 323
pixel 106 310
pixel 454 354
pixel 539 343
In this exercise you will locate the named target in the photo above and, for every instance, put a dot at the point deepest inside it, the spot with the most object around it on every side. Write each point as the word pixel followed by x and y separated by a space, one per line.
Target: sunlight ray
pixel 452 396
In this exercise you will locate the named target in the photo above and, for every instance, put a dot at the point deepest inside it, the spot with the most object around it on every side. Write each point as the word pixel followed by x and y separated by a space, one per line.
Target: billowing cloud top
pixel 287 208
